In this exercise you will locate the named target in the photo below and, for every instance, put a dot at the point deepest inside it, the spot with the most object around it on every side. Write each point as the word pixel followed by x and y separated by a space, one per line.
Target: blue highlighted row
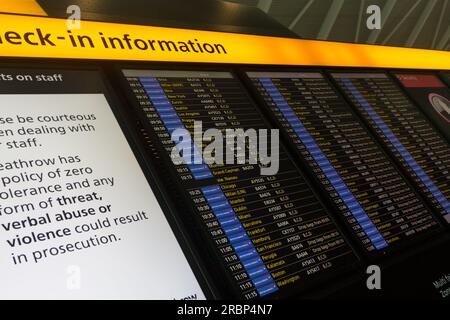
pixel 404 153
pixel 330 172
pixel 241 243
pixel 172 122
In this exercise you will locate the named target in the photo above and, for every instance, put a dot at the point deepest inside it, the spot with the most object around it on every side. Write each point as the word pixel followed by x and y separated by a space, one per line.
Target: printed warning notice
pixel 78 218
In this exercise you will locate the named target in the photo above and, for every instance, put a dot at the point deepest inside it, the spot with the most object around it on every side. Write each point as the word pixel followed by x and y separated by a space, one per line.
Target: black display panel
pixel 77 200
pixel 271 234
pixel 366 189
pixel 431 95
pixel 446 77
pixel 405 131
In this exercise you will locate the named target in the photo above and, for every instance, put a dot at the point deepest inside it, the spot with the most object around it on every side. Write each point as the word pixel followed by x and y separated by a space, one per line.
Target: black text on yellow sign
pixel 40 37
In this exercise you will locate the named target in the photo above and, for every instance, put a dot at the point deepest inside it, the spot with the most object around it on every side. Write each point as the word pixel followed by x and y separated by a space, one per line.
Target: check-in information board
pixel 270 233
pixel 368 192
pixel 405 131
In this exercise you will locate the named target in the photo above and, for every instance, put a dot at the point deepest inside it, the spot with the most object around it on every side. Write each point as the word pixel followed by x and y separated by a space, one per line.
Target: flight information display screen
pixel 78 217
pixel 271 233
pixel 432 96
pixel 407 133
pixel 380 208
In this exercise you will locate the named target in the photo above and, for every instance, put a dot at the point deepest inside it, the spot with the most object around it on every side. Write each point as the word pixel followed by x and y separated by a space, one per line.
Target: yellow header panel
pixel 26 36
pixel 22 7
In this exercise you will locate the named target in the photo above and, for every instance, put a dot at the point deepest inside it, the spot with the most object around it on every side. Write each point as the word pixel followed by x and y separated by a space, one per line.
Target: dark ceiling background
pixel 192 14
pixel 405 23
